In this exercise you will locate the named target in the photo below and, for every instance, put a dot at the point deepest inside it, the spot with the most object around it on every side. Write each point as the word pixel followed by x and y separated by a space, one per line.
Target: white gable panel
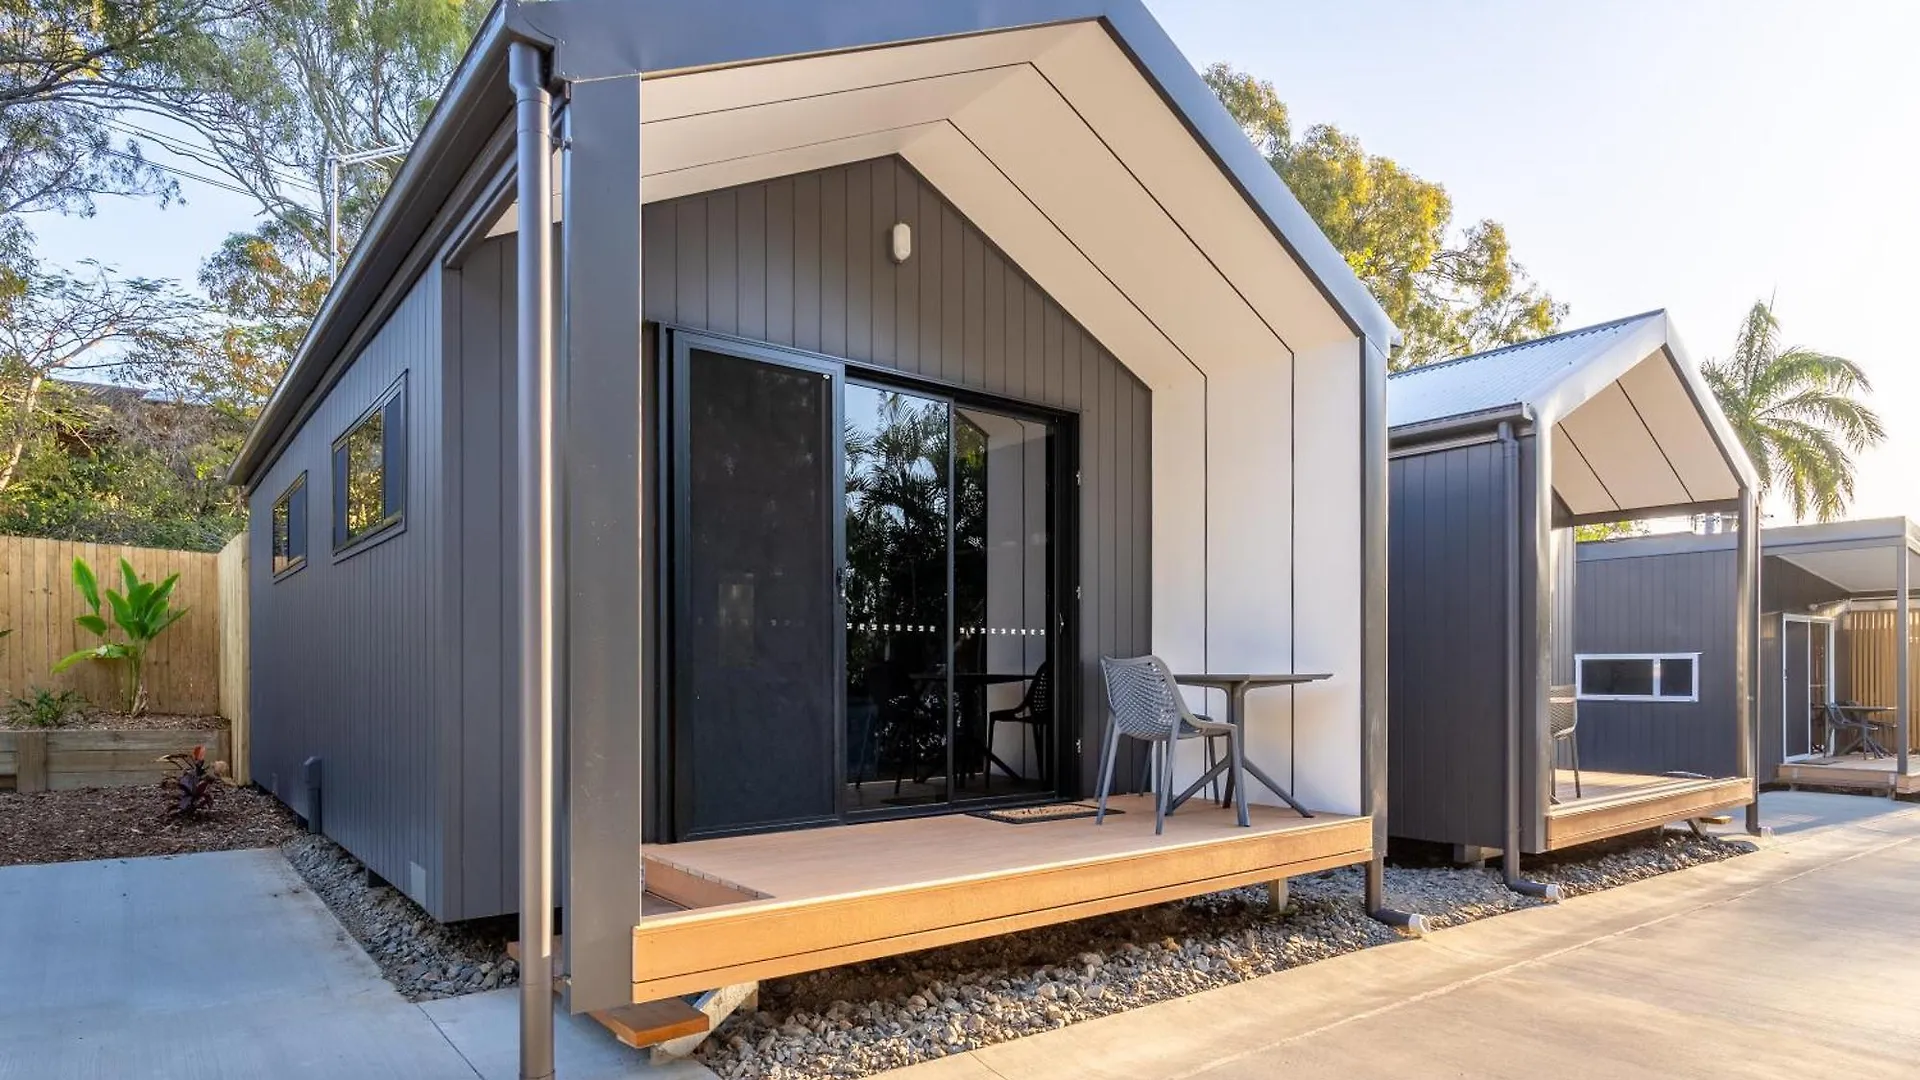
pixel 1670 413
pixel 658 187
pixel 1103 86
pixel 1574 481
pixel 1622 452
pixel 672 145
pixel 1047 150
pixel 666 97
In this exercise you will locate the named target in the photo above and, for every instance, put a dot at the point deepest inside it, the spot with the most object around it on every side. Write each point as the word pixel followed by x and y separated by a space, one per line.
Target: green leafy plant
pixel 191 790
pixel 140 614
pixel 43 708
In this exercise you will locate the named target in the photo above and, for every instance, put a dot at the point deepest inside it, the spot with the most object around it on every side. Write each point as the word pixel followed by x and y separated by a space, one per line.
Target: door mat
pixel 1027 815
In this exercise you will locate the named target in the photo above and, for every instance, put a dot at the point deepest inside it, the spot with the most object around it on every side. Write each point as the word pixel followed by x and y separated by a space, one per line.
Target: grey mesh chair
pixel 1145 704
pixel 1563 722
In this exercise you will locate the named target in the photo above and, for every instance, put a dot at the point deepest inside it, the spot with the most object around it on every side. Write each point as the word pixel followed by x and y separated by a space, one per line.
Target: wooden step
pixel 654 1022
pixel 559 948
pixel 644 1025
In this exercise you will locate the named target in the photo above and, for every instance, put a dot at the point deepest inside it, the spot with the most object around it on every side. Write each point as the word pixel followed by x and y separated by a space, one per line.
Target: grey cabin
pixel 723 461
pixel 1832 613
pixel 1497 741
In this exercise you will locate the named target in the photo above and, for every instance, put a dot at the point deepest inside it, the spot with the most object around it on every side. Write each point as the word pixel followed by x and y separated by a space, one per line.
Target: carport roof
pixel 1634 428
pixel 1218 261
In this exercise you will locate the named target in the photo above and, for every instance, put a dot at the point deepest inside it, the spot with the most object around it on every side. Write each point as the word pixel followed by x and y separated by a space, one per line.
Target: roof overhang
pixel 1072 132
pixel 1858 556
pixel 1636 431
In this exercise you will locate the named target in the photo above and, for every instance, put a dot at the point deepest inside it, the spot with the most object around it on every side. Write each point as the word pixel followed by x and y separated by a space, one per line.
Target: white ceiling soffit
pixel 1052 141
pixel 1857 570
pixel 1640 443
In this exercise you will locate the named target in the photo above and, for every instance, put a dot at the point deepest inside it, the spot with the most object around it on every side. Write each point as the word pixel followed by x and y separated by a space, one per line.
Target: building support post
pixel 1516 683
pixel 1903 656
pixel 1373 632
pixel 534 356
pixel 1746 640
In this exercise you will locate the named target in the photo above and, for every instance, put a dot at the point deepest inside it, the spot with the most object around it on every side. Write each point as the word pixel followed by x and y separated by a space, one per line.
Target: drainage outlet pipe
pixel 1510 855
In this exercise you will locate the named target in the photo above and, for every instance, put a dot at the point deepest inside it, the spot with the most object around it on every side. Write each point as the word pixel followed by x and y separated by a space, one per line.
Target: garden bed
pixel 129 822
pixel 65 758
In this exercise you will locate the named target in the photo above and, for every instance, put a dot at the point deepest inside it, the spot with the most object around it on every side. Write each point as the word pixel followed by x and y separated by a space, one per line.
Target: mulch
pixel 129 822
pixel 102 719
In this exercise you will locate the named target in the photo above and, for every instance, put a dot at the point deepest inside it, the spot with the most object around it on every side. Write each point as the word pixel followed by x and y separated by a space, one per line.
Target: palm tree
pixel 1798 412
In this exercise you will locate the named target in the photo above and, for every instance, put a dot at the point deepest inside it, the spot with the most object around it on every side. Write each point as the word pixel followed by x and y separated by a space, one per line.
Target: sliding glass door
pixel 949 569
pixel 862 584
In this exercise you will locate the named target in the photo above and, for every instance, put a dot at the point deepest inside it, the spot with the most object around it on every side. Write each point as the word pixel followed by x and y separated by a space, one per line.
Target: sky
pixel 1692 156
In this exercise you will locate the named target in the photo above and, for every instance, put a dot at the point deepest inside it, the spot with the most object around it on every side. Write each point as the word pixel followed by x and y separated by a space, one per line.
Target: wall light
pixel 900 245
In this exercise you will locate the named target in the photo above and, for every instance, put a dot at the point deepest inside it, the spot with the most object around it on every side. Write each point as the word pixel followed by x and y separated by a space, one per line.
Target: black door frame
pixel 673 345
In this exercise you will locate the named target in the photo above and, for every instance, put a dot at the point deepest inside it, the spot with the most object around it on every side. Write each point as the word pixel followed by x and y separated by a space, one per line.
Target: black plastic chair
pixel 1035 711
pixel 1563 723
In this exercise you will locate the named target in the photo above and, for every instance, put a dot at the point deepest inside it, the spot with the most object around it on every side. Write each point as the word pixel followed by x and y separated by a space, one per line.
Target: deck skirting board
pixel 1841 776
pixel 1581 823
pixel 696 950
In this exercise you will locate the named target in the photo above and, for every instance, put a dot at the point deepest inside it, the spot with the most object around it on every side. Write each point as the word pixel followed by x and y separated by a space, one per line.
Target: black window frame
pixel 391 408
pixel 298 528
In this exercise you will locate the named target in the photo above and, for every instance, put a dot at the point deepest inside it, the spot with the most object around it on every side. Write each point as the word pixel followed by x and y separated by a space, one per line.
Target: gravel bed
pixel 423 959
pixel 102 720
pixel 129 822
pixel 866 1018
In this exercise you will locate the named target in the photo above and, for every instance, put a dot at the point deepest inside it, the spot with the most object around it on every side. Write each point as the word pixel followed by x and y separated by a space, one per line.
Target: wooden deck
pixel 1852 771
pixel 774 904
pixel 1620 803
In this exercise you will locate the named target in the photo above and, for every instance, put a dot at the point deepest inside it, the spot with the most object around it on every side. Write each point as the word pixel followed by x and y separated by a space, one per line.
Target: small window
pixel 1638 677
pixel 290 528
pixel 369 472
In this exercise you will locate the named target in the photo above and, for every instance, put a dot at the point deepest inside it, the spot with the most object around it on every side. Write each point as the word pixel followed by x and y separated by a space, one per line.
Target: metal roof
pixel 606 38
pixel 1517 375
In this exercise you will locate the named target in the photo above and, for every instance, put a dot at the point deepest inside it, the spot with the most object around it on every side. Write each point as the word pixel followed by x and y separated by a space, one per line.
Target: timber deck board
pixel 1852 771
pixel 840 894
pixel 1621 803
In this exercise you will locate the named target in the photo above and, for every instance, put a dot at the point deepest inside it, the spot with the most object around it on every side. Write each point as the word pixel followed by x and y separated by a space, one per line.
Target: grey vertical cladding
pixel 484 837
pixel 1446 639
pixel 802 261
pixel 1680 602
pixel 346 654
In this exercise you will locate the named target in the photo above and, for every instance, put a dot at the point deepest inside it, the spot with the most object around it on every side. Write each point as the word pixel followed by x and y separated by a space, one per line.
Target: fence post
pixel 234 670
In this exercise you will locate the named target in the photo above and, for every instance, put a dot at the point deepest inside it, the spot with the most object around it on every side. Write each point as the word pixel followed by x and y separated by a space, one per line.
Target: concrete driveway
pixel 1793 962
pixel 225 965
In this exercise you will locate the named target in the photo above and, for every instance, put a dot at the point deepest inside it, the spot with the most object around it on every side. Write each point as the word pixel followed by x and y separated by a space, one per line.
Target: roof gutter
pixel 417 192
pixel 1484 422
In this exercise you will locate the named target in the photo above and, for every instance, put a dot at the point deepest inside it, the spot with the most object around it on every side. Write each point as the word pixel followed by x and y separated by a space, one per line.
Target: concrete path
pixel 225 965
pixel 1795 961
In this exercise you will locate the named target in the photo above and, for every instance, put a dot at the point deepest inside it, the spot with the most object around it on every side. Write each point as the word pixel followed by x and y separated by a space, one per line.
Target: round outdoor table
pixel 1236 684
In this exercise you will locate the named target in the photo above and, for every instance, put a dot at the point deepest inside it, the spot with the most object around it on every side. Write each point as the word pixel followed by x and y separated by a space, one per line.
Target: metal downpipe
pixel 1510 850
pixel 534 356
pixel 1745 643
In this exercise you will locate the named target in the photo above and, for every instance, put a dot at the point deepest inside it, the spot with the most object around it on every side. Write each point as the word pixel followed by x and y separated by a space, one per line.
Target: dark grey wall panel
pixel 802 261
pixel 1784 586
pixel 346 653
pixel 1666 603
pixel 1447 632
pixel 484 836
